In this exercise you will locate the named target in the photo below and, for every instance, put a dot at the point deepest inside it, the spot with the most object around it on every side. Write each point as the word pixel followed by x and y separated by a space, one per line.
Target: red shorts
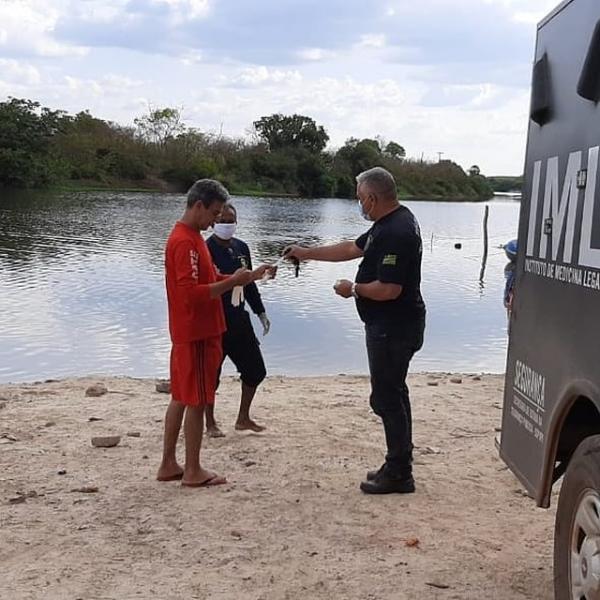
pixel 194 371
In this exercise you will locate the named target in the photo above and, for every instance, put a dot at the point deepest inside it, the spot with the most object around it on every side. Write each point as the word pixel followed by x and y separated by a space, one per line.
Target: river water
pixel 82 285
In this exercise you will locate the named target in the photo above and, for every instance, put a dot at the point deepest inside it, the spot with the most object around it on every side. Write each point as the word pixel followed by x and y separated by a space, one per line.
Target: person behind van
pixel 510 250
pixel 239 342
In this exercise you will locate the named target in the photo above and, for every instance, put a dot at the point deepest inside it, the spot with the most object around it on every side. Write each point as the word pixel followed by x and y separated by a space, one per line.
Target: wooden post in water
pixel 486 215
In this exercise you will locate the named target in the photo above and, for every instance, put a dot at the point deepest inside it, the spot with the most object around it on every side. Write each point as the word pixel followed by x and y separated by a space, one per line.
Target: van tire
pixel 580 488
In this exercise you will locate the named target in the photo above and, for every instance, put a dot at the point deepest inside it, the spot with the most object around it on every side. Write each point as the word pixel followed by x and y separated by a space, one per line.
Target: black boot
pixel 372 475
pixel 382 484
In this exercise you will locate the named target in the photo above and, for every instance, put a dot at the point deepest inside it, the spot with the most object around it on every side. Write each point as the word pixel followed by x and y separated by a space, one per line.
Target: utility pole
pixel 440 154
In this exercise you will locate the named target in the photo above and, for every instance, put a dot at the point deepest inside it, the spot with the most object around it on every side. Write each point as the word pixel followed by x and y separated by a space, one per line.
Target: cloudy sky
pixel 434 75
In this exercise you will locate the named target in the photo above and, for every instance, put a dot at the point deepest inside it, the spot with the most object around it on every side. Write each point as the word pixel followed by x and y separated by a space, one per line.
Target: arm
pixel 333 253
pixel 378 291
pixel 393 258
pixel 228 282
pixel 185 267
pixel 251 291
pixel 375 290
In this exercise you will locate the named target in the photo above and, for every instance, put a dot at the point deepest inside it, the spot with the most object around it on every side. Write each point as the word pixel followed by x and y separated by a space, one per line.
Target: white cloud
pixel 314 54
pixel 109 85
pixel 191 9
pixel 372 40
pixel 27 27
pixel 260 76
pixel 431 75
pixel 192 57
pixel 17 72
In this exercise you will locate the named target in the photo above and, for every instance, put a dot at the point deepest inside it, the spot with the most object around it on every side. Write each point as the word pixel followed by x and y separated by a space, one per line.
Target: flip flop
pixel 216 480
pixel 176 477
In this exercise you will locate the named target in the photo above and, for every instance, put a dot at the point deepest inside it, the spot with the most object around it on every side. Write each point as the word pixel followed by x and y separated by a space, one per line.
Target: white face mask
pixel 225 231
pixel 362 212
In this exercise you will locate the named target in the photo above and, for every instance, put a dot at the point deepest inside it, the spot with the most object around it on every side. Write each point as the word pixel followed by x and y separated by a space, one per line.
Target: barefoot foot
pixel 214 432
pixel 169 472
pixel 202 478
pixel 248 425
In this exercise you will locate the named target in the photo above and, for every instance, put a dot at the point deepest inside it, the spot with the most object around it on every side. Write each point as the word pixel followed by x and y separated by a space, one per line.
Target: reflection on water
pixel 82 286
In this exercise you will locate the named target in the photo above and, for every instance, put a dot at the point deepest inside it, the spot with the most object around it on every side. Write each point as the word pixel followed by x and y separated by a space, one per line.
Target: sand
pixel 291 523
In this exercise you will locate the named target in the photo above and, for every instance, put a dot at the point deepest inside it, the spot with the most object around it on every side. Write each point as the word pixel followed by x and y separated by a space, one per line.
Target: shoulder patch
pixel 389 260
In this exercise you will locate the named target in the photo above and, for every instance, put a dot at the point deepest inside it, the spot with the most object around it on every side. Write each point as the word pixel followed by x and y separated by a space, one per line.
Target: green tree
pixel 394 150
pixel 280 131
pixel 160 125
pixel 358 156
pixel 26 133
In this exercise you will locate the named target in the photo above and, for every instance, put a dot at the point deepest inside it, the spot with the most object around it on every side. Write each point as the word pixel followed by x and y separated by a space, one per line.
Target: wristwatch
pixel 353 291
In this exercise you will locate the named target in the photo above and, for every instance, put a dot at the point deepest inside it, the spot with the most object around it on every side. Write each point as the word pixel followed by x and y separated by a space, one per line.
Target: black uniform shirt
pixel 228 259
pixel 392 254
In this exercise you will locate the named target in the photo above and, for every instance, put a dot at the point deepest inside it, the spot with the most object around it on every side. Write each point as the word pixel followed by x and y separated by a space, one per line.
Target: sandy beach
pixel 92 523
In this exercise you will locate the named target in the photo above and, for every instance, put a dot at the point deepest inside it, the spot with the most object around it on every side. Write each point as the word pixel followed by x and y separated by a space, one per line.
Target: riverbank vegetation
pixel 285 155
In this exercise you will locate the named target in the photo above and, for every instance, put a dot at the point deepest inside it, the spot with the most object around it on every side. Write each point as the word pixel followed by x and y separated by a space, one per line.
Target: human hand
pixel 295 252
pixel 343 288
pixel 241 277
pixel 265 323
pixel 264 272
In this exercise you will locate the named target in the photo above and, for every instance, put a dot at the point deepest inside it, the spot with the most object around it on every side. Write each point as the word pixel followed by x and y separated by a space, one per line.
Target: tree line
pixel 286 154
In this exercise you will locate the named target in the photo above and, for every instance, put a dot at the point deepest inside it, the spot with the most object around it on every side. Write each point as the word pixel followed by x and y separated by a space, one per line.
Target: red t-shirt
pixel 189 269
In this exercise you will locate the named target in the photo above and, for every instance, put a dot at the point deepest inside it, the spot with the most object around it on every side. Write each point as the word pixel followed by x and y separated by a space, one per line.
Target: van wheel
pixel 577 528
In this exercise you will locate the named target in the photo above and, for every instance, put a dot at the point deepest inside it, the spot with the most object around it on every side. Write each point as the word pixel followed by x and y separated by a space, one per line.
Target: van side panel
pixel 555 328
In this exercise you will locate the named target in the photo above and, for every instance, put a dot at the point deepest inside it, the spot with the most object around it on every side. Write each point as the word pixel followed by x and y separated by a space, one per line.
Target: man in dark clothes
pixel 239 342
pixel 389 302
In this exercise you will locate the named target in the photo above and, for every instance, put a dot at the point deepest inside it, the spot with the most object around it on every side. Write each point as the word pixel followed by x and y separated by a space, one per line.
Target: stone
pixel 17 499
pixel 61 472
pixel 163 387
pixel 106 441
pixel 96 390
pixel 88 489
pixel 433 383
pixel 476 378
pixel 134 434
pixel 50 424
pixel 94 419
pixel 438 585
pixel 249 463
pixel 3 404
pixel 456 380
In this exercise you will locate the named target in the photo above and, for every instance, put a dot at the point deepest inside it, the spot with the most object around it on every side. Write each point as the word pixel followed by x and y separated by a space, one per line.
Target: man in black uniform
pixel 239 342
pixel 389 302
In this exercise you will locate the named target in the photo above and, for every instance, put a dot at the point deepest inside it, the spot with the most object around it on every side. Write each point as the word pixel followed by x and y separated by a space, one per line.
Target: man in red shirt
pixel 196 325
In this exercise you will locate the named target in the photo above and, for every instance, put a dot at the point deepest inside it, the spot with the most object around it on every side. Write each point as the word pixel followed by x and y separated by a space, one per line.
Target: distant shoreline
pixel 127 187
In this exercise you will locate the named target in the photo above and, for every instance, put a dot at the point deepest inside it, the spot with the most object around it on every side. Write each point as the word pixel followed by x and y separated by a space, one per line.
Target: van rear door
pixel 555 325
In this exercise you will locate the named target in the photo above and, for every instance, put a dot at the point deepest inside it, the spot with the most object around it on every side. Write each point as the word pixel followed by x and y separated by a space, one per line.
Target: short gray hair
pixel 380 180
pixel 207 191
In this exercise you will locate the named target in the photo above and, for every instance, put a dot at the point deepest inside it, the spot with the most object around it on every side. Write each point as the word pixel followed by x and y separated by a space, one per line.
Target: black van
pixel 551 417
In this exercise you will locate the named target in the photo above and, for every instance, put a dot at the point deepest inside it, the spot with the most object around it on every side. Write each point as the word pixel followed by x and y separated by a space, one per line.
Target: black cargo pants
pixel 389 355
